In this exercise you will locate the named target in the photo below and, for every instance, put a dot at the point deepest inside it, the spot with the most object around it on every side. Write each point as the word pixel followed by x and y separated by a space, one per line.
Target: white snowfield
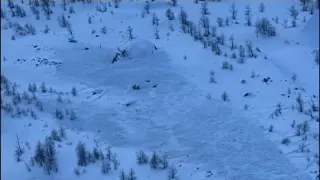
pixel 311 32
pixel 175 109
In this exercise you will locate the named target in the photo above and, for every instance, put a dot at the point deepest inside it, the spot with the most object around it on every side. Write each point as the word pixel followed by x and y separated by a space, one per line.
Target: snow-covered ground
pixel 169 95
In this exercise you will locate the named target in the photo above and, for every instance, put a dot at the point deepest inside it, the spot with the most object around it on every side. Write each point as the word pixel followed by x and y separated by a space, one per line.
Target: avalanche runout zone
pixel 174 117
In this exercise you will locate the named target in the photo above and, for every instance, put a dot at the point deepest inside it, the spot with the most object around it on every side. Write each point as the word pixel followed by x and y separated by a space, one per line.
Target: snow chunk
pixel 97 91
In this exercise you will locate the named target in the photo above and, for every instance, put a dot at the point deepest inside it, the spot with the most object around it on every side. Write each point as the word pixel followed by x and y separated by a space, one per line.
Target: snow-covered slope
pixel 311 31
pixel 212 115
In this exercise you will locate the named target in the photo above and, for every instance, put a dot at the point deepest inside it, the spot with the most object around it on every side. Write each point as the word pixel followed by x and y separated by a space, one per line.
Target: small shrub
pixel 156 33
pixel 264 27
pixel 146 7
pixel 131 175
pixel 72 40
pixel 226 65
pixel 59 114
pixel 82 152
pixel 19 150
pixel 136 87
pixel 314 107
pixel 262 7
pixel 253 74
pixel 225 96
pixel 45 155
pixel 115 161
pixel 103 30
pixel 55 136
pixel 270 128
pixel 30 29
pixel 154 161
pixel 164 161
pixel 298 130
pixel 172 173
pixel 300 103
pixel 305 127
pixel 63 22
pixel 32 87
pixel 33 114
pixel 43 88
pixel 129 32
pixel 76 171
pixel 71 10
pixel 62 132
pixel 234 55
pixel 123 175
pixel 59 99
pixel 72 115
pixel 212 78
pixel 169 14
pixel 105 166
pixel 46 29
pixel 90 20
pixel 142 158
pixel 285 141
pixel 294 77
pixel 241 54
pixel 302 147
pixel 74 91
pixel 304 138
pixel 220 22
pixel 109 154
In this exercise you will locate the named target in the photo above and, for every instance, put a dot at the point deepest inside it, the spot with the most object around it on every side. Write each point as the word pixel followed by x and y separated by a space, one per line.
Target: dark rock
pixel 247 94
pixel 97 91
pixel 266 80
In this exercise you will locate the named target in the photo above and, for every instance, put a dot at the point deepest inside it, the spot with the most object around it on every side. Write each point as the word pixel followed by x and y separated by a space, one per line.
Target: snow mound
pixel 310 33
pixel 141 49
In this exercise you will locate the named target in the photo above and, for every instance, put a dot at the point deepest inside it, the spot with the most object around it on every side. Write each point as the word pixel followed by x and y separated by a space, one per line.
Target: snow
pixel 176 110
pixel 310 33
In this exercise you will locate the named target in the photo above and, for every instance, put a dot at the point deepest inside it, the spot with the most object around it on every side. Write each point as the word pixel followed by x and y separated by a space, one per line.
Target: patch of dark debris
pixel 44 61
pixel 267 80
pixel 248 94
pixel 40 62
pixel 36 47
